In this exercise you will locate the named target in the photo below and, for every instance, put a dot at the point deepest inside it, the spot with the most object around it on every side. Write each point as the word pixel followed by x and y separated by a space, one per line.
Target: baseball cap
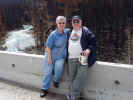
pixel 76 18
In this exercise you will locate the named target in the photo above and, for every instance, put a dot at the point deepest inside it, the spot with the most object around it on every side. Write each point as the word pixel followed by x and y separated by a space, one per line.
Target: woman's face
pixel 61 24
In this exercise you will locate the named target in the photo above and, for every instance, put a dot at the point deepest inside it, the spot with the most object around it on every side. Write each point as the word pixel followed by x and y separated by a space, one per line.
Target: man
pixel 81 41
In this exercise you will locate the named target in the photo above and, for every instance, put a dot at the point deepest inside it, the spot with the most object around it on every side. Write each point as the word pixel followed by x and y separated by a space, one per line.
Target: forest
pixel 110 20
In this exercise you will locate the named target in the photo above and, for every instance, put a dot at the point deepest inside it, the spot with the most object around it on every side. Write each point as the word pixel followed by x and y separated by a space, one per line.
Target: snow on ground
pixel 18 40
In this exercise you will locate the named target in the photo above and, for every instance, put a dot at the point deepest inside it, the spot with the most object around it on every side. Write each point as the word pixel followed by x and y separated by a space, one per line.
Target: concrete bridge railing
pixel 105 80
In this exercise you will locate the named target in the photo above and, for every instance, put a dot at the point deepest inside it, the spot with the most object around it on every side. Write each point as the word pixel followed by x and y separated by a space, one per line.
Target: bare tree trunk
pixel 41 22
pixel 2 25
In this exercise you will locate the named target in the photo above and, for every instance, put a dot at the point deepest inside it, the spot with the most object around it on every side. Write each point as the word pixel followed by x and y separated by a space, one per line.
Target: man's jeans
pixel 77 77
pixel 57 67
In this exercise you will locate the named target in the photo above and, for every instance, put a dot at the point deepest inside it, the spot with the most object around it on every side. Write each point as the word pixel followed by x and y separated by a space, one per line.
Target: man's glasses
pixel 76 21
pixel 61 23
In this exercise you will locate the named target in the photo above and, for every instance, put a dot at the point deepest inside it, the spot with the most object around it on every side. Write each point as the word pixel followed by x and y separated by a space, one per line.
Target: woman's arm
pixel 49 55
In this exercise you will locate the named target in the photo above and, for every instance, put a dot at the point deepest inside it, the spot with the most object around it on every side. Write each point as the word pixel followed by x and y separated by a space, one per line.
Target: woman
pixel 55 55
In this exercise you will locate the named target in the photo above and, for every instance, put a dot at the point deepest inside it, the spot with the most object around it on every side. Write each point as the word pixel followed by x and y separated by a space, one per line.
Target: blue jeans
pixel 57 67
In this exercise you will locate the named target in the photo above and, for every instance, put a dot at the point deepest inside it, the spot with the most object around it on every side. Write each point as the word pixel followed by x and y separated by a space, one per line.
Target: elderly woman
pixel 55 55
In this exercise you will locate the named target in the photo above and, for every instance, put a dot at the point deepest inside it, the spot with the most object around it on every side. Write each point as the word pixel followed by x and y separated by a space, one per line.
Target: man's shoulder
pixel 67 29
pixel 87 29
pixel 88 32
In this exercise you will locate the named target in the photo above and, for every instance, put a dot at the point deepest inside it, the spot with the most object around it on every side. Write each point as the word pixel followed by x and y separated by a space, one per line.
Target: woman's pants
pixel 57 67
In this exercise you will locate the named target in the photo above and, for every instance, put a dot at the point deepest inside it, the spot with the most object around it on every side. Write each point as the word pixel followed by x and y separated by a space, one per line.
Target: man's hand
pixel 86 52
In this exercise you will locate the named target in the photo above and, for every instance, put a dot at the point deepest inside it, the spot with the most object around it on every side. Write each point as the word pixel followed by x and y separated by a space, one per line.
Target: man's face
pixel 76 23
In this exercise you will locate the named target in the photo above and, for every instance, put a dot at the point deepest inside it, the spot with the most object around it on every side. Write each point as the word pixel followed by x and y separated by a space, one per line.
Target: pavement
pixel 9 91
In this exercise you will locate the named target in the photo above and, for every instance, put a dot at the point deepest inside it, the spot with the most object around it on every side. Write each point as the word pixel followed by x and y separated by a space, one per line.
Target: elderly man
pixel 81 56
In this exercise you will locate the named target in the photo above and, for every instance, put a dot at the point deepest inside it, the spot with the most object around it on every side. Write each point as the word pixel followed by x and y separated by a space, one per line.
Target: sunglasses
pixel 76 21
pixel 61 23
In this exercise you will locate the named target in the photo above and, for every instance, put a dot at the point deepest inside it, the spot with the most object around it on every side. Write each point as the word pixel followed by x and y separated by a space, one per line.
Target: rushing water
pixel 19 40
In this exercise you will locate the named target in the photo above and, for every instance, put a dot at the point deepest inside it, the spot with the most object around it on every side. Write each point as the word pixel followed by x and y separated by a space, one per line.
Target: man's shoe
pixel 68 97
pixel 71 97
pixel 43 93
pixel 56 84
pixel 74 98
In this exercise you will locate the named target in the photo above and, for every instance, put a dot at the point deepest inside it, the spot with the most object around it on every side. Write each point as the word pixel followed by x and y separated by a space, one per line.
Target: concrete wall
pixel 104 79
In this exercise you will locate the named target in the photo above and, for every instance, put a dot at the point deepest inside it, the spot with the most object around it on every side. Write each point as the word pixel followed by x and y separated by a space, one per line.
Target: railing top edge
pixel 21 54
pixel 115 64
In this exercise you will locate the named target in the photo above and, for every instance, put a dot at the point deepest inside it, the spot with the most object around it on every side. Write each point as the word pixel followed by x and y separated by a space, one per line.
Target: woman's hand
pixel 49 61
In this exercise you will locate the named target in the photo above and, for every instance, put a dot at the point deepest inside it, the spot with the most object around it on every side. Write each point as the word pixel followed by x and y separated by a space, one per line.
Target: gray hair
pixel 58 18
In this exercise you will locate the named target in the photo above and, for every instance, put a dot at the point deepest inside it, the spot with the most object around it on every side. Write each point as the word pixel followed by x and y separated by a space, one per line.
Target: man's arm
pixel 91 42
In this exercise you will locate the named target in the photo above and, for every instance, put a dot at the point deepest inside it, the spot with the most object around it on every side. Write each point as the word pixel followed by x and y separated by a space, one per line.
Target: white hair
pixel 59 18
